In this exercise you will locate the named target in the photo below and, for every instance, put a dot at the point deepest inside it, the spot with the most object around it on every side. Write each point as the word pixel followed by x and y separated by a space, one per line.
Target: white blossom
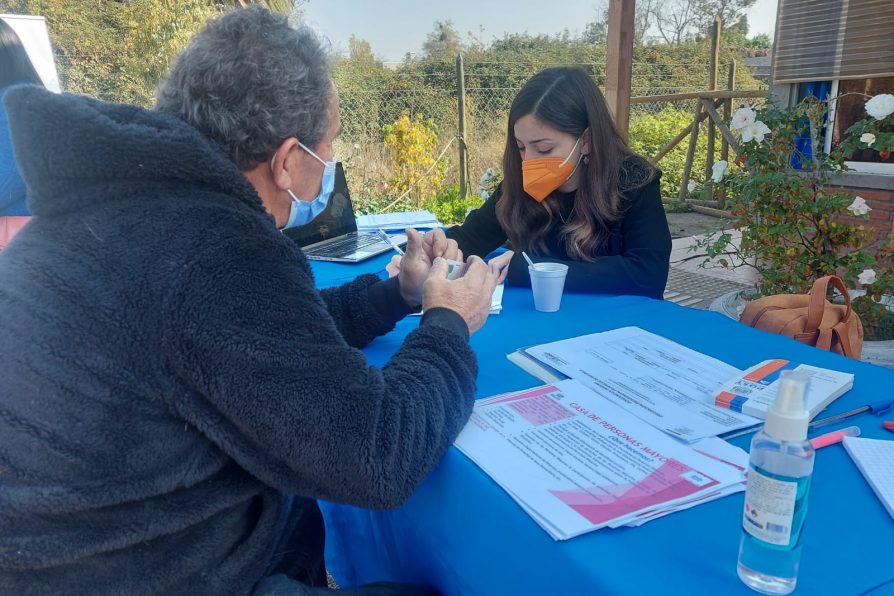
pixel 691 186
pixel 867 277
pixel 755 131
pixel 742 118
pixel 859 206
pixel 718 170
pixel 484 195
pixel 868 138
pixel 881 106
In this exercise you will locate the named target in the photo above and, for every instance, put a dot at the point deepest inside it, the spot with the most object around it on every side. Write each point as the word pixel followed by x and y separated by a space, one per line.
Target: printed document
pixel 576 462
pixel 660 381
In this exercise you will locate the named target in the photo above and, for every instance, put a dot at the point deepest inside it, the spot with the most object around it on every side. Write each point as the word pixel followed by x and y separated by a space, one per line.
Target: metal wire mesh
pixel 489 90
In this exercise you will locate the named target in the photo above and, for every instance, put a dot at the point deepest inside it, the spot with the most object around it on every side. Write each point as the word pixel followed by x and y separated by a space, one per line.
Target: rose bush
pixel 796 225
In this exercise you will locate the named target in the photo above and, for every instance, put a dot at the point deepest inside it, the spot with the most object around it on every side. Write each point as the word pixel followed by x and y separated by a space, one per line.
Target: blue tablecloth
pixel 462 534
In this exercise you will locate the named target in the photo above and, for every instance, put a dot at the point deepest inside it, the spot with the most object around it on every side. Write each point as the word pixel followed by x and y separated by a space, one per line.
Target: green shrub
pixel 449 207
pixel 413 143
pixel 649 133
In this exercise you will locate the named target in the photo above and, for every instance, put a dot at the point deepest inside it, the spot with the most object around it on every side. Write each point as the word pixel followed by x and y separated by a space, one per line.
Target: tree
pixel 157 30
pixel 675 20
pixel 729 11
pixel 596 31
pixel 360 52
pixel 442 43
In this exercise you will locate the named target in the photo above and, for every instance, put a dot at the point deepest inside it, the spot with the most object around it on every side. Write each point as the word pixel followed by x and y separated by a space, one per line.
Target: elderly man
pixel 175 392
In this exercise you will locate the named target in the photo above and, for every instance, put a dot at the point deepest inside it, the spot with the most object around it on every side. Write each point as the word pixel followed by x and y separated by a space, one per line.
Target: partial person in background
pixel 15 68
pixel 573 192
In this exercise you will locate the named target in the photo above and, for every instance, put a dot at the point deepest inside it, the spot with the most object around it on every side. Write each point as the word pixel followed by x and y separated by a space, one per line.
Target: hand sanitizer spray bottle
pixel 779 469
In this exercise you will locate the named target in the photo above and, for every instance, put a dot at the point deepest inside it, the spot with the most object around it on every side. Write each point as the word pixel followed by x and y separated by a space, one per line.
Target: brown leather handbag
pixel 810 318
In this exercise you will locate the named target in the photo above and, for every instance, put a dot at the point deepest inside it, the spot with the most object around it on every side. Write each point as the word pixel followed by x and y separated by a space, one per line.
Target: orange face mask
pixel 540 177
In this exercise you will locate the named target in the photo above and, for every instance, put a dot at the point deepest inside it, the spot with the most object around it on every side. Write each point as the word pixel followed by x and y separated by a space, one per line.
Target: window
pixel 851 95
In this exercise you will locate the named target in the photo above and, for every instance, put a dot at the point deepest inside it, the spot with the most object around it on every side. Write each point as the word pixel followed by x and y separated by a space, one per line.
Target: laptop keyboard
pixel 347 246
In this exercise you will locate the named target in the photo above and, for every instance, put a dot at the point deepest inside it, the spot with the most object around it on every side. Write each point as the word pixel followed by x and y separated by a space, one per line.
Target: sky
pixel 397 27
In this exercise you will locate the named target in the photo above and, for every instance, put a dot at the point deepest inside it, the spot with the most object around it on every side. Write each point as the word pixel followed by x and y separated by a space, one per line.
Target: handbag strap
pixel 817 304
pixel 841 331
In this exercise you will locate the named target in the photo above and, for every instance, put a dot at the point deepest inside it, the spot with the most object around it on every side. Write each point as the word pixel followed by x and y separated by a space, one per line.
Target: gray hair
pixel 249 81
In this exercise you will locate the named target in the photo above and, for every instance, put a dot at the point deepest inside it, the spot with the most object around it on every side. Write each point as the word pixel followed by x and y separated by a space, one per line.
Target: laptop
pixel 333 235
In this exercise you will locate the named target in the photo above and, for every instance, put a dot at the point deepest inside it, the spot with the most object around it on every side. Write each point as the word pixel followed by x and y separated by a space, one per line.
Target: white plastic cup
pixel 548 282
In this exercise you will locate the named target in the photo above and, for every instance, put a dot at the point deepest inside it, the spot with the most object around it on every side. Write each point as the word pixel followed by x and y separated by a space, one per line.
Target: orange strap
pixel 817 304
pixel 841 331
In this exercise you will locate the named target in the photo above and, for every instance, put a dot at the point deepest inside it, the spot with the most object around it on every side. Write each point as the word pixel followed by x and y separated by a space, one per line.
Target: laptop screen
pixel 336 220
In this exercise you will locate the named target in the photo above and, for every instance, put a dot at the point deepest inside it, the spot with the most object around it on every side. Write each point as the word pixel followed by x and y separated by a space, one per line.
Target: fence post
pixel 461 134
pixel 690 155
pixel 712 85
pixel 727 110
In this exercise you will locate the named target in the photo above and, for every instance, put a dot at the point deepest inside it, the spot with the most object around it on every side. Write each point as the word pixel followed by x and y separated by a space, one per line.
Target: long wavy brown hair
pixel 567 99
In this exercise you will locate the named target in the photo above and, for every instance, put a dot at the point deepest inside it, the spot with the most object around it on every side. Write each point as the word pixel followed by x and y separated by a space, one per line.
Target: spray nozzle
pixel 788 417
pixel 790 399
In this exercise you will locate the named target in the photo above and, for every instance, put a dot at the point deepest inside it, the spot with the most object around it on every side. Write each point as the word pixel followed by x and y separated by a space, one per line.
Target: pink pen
pixel 835 436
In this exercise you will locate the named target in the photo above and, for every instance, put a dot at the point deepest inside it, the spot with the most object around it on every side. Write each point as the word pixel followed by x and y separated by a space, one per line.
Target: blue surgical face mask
pixel 304 212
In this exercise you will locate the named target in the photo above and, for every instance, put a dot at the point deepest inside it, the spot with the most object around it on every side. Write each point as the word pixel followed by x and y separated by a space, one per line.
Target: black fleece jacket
pixel 634 259
pixel 169 370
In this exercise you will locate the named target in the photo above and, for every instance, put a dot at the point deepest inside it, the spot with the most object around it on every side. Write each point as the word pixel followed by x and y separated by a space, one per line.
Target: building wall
pixel 881 218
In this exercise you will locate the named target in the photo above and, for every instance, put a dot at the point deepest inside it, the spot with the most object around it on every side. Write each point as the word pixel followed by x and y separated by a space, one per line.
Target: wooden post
pixel 728 107
pixel 721 125
pixel 461 134
pixel 619 62
pixel 712 85
pixel 690 155
pixel 673 142
pixel 727 111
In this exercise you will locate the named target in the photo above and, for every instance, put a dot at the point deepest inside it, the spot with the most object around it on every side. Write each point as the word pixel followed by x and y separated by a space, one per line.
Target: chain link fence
pixel 489 91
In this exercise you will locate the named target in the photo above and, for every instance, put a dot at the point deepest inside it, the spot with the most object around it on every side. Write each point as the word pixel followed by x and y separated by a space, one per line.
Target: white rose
pixel 867 277
pixel 868 138
pixel 755 131
pixel 691 186
pixel 718 170
pixel 859 206
pixel 742 118
pixel 880 106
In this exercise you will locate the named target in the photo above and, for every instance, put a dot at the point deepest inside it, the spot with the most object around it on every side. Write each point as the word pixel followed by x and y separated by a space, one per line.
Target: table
pixel 462 534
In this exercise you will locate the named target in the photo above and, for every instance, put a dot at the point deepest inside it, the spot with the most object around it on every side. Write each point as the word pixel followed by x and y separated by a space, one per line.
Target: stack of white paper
pixel 496 300
pixel 662 382
pixel 397 222
pixel 754 391
pixel 575 462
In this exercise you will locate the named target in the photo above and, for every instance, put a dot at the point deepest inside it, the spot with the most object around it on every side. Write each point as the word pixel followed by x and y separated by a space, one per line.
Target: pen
pixel 836 436
pixel 393 244
pixel 878 408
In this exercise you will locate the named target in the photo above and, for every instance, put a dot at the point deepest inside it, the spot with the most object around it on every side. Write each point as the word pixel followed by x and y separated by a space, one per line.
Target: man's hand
pixel 437 245
pixel 393 266
pixel 412 269
pixel 469 296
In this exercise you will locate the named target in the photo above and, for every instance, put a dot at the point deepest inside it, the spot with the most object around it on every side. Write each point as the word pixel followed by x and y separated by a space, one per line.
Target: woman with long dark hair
pixel 15 67
pixel 573 192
